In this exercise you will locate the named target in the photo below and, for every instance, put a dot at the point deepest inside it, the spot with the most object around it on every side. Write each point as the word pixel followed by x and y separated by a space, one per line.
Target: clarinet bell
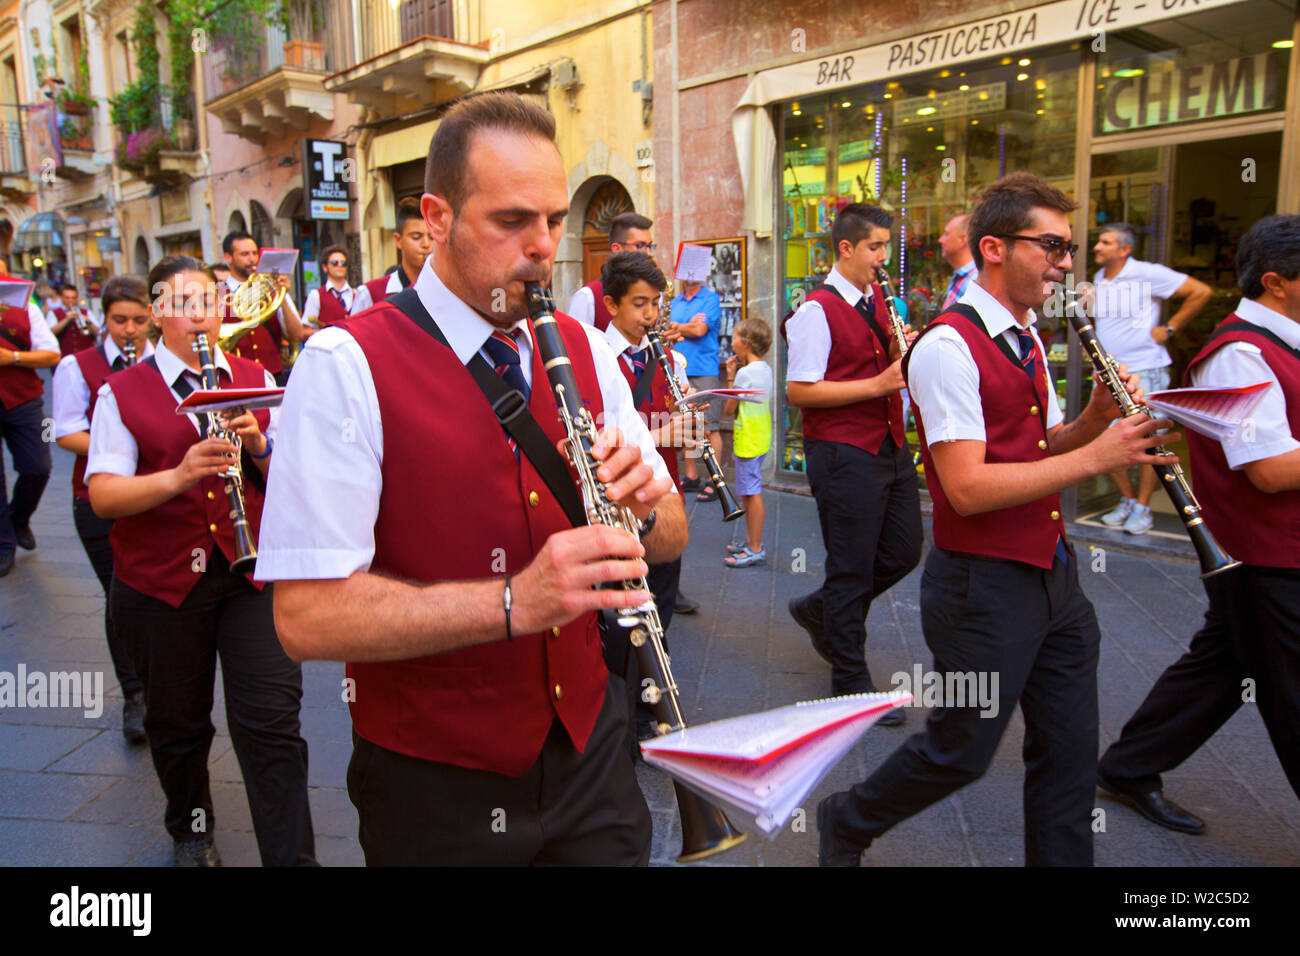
pixel 731 508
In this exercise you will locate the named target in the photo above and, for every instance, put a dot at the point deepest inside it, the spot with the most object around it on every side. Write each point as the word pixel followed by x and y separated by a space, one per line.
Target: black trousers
pixel 870 514
pixel 175 652
pixel 93 532
pixel 1037 632
pixel 21 429
pixel 568 809
pixel 1252 631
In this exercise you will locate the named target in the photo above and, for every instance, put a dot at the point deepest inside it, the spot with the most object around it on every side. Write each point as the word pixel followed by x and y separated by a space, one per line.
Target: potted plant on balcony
pixel 139 151
pixel 304 20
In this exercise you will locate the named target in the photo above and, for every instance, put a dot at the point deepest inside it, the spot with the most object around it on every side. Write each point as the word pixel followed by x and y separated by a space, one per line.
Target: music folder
pixel 1214 412
pixel 203 400
pixel 281 261
pixel 15 293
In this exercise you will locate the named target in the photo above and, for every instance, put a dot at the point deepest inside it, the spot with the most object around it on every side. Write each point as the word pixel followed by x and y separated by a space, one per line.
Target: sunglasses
pixel 337 262
pixel 1057 249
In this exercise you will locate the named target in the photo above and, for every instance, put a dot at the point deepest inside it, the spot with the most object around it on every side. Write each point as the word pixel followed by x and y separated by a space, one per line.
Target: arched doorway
pixel 236 223
pixel 261 230
pixel 609 200
pixel 141 256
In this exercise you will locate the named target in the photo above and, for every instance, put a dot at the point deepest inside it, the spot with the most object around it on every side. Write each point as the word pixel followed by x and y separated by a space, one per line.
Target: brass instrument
pixel 245 548
pixel 252 304
pixel 705 828
pixel 83 323
pixel 895 322
pixel 731 508
pixel 1212 557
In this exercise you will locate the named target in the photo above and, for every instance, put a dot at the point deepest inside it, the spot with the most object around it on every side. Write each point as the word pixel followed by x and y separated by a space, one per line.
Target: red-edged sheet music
pixel 764 764
pixel 740 394
pixel 203 400
pixel 1214 412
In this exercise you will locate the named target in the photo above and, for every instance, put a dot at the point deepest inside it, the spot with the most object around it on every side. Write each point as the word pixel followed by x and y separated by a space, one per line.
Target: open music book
pixel 15 293
pixel 203 400
pixel 764 764
pixel 1214 412
pixel 740 394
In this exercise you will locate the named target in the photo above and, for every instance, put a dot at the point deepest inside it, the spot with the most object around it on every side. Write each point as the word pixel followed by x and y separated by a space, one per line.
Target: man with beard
pixel 409 536
pixel 262 344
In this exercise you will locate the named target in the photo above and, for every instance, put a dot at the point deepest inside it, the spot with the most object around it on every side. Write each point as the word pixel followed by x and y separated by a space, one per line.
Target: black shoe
pixel 831 850
pixel 646 729
pixel 195 851
pixel 1155 806
pixel 6 562
pixel 691 484
pixel 684 605
pixel 812 624
pixel 133 718
pixel 892 718
pixel 26 540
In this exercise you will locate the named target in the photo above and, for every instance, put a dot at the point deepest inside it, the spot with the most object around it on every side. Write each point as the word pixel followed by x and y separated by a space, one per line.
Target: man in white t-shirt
pixel 1129 295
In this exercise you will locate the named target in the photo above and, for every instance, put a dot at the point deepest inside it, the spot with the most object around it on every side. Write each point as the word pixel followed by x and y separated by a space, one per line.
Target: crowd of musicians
pixel 404 526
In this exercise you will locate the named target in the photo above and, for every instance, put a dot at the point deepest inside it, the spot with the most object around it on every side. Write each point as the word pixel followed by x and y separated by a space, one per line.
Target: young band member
pixel 76 388
pixel 628 231
pixel 331 303
pixel 1000 593
pixel 73 326
pixel 844 373
pixel 413 247
pixel 469 628
pixel 1249 489
pixel 26 344
pixel 173 592
pixel 262 344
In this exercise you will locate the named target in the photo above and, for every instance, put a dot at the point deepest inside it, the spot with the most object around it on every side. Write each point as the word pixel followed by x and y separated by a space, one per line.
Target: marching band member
pixel 76 387
pixel 262 344
pixel 173 592
pixel 75 328
pixel 1000 593
pixel 628 231
pixel 331 303
pixel 479 683
pixel 1249 489
pixel 844 373
pixel 413 247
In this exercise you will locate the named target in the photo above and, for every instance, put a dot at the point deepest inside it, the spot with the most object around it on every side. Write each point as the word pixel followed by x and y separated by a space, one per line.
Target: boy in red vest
pixel 628 232
pixel 331 303
pixel 1249 489
pixel 74 327
pixel 409 536
pixel 76 388
pixel 413 247
pixel 844 373
pixel 1000 595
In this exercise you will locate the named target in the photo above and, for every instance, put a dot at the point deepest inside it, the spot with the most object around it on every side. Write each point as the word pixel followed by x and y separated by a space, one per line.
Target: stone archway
pixel 141 256
pixel 608 200
pixel 600 166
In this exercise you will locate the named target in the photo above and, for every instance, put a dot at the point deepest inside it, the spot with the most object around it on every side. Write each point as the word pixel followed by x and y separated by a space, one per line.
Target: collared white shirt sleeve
pixel 311 308
pixel 71 398
pixel 43 339
pixel 808 343
pixel 616 398
pixel 361 299
pixel 582 306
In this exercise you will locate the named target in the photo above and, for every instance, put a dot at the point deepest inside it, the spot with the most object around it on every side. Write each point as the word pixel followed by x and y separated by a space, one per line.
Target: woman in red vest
pixel 156 473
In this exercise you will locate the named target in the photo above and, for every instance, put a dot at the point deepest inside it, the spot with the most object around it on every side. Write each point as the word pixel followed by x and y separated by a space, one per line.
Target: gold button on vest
pixel 555 632
pixel 1033 409
pixel 557 692
pixel 1042 444
pixel 211 496
pixel 212 528
pixel 1056 515
pixel 534 498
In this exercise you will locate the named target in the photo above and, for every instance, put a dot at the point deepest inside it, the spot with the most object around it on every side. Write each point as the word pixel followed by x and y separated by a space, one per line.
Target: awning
pixel 43 230
pixel 402 145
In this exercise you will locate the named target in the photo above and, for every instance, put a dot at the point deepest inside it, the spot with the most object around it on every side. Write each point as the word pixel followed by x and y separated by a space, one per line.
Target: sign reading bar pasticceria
pixel 325 163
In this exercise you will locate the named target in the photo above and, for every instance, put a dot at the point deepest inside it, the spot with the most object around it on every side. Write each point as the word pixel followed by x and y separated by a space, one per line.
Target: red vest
pixel 331 309
pixel 657 407
pixel 856 353
pixel 154 552
pixel 262 344
pixel 603 315
pixel 94 369
pixel 1015 426
pixel 72 340
pixel 378 288
pixel 1253 526
pixel 455 505
pixel 17 384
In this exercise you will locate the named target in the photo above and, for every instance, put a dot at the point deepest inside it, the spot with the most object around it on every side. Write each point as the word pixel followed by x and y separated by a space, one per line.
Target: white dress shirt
pixel 323 493
pixel 944 380
pixel 113 449
pixel 1268 430
pixel 311 308
pixel 1128 308
pixel 362 300
pixel 52 320
pixel 72 394
pixel 619 344
pixel 808 335
pixel 582 306
pixel 42 339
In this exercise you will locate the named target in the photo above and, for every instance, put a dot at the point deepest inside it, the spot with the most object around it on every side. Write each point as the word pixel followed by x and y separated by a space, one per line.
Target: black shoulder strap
pixel 970 315
pixel 868 314
pixel 512 412
pixel 642 390
pixel 1224 328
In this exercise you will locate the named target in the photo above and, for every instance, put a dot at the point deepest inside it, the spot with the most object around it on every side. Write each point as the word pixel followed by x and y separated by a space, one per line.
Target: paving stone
pixel 47 796
pixel 35 747
pixel 43 843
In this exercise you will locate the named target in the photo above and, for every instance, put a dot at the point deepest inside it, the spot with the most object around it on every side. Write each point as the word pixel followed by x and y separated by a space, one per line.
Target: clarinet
pixel 245 549
pixel 1210 553
pixel 895 323
pixel 128 351
pixel 705 828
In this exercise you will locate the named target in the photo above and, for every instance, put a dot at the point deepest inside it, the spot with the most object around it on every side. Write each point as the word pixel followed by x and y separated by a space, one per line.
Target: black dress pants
pixel 22 430
pixel 1252 631
pixel 1037 632
pixel 870 514
pixel 570 808
pixel 175 652
pixel 93 532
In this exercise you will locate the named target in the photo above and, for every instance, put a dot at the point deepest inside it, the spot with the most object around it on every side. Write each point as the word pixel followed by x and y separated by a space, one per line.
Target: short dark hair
pixel 329 251
pixel 124 288
pixel 228 243
pixel 1271 245
pixel 1008 206
pixel 66 286
pixel 755 333
pixel 855 222
pixel 623 269
pixel 224 267
pixel 446 173
pixel 408 208
pixel 624 223
pixel 169 266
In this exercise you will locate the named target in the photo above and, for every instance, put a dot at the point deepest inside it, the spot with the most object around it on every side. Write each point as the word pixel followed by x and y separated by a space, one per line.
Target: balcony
pixel 257 93
pixel 14 181
pixel 411 53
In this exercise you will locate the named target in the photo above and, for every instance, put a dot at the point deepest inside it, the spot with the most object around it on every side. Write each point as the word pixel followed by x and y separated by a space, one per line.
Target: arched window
pixel 141 256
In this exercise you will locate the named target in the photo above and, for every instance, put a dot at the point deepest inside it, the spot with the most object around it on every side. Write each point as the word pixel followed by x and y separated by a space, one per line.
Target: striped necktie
pixel 503 352
pixel 637 360
pixel 1028 354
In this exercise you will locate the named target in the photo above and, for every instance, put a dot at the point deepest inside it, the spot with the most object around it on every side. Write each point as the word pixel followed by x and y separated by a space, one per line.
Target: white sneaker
pixel 1117 517
pixel 1140 521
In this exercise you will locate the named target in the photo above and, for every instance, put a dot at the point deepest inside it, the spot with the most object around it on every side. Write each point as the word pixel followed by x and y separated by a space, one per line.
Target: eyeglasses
pixel 642 246
pixel 337 262
pixel 1057 248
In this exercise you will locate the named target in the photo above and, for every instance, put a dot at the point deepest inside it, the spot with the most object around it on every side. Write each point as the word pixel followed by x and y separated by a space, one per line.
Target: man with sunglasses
pixel 1000 595
pixel 332 302
pixel 627 231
